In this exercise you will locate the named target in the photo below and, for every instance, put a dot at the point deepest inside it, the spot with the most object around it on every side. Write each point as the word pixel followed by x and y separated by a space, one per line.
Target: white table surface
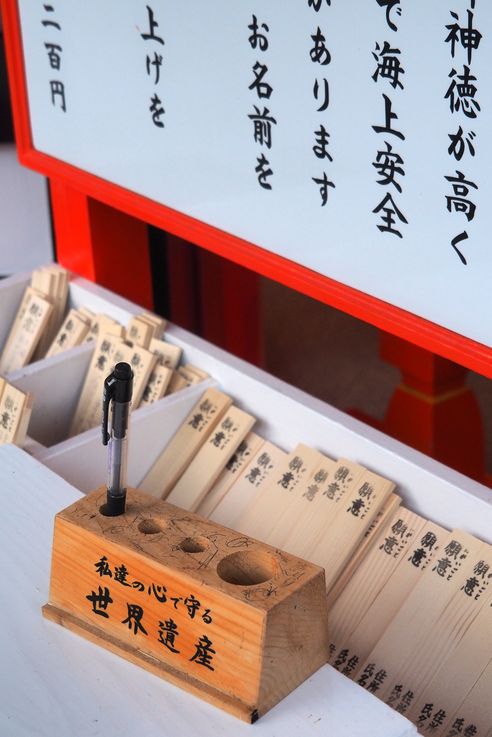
pixel 55 684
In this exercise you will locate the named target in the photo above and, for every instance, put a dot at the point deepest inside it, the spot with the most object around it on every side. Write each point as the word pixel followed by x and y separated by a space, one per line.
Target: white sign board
pixel 350 136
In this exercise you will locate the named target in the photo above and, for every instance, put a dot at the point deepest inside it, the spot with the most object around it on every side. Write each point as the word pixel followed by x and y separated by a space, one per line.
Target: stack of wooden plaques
pixel 15 413
pixel 410 603
pixel 37 320
pixel 75 329
pixel 41 329
pixel 154 361
pixel 82 326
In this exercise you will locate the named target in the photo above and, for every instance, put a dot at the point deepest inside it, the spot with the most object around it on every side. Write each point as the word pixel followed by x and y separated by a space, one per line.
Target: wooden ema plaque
pixel 232 620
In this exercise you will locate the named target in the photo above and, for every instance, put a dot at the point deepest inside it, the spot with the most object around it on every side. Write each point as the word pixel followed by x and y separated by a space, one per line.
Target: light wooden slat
pixel 30 322
pixel 324 508
pixel 367 581
pixel 473 716
pixel 157 384
pixel 259 519
pixel 72 332
pixel 194 431
pixel 384 668
pixel 421 551
pixel 168 353
pixel 108 351
pixel 370 537
pixel 442 636
pixel 211 459
pixel 239 461
pixel 459 670
pixel 298 509
pixel 15 412
pixel 353 518
pixel 250 485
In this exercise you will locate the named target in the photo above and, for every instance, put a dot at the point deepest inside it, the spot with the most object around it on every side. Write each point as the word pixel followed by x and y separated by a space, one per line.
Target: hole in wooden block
pixel 194 544
pixel 150 526
pixel 247 567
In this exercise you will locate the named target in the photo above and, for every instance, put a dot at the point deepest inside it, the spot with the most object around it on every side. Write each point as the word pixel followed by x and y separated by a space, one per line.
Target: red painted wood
pixel 433 410
pixel 389 318
pixel 183 284
pixel 215 298
pixel 422 371
pixel 242 312
pixel 230 306
pixel 72 229
pixel 101 243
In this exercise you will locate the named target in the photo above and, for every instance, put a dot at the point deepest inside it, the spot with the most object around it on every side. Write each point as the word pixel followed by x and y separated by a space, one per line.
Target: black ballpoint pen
pixel 118 388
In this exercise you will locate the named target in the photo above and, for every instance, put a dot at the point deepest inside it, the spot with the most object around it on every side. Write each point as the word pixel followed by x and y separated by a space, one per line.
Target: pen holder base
pixel 232 620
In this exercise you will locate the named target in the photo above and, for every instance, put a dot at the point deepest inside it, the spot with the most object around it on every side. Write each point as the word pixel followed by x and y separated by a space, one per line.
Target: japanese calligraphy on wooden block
pixel 235 621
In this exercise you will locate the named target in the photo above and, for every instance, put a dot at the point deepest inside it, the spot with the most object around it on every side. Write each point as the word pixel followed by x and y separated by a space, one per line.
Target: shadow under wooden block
pixel 228 618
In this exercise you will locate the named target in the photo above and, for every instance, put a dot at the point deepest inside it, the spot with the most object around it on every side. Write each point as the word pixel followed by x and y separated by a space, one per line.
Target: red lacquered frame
pixel 383 315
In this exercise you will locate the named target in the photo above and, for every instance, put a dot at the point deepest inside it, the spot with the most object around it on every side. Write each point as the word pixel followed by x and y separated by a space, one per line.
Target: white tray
pixel 56 384
pixel 60 685
pixel 285 416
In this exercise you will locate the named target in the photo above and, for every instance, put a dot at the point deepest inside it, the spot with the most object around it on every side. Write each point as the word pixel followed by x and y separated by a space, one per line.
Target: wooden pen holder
pixel 224 616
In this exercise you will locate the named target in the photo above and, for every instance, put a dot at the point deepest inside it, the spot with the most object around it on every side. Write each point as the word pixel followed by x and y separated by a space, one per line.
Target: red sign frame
pixel 383 315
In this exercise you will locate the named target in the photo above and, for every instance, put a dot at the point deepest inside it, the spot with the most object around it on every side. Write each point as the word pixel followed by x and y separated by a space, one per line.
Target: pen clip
pixel 108 392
